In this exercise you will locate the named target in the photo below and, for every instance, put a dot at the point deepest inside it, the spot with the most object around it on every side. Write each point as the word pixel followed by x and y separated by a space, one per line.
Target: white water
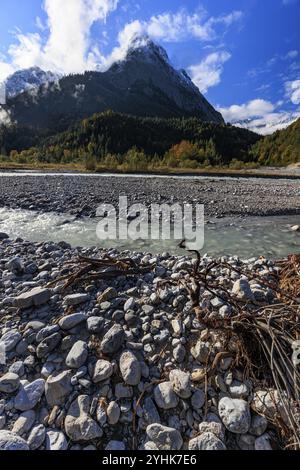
pixel 254 236
pixel 18 173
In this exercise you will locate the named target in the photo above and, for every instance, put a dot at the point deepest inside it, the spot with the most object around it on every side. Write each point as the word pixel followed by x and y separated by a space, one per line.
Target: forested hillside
pixel 280 148
pixel 176 142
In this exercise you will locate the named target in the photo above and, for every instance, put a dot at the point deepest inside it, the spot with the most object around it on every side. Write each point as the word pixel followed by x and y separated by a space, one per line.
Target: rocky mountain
pixel 144 83
pixel 28 80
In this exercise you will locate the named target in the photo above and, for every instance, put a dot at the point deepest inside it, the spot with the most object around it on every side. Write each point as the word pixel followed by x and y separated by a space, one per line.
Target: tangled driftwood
pixel 266 334
pixel 91 269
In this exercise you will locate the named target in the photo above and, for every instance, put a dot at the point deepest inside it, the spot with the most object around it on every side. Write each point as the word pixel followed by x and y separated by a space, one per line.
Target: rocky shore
pixel 80 195
pixel 116 364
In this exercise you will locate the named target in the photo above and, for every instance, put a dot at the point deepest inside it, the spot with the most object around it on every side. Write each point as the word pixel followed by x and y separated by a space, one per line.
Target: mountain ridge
pixel 27 80
pixel 144 84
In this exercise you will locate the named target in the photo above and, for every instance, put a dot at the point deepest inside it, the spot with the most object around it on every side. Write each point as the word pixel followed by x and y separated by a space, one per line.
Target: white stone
pixel 164 396
pixel 29 395
pixel 79 425
pixel 58 387
pixel 9 340
pixel 181 383
pixel 206 441
pixel 24 422
pixel 129 304
pixel 130 368
pixel 70 321
pixel 102 371
pixel 76 299
pixel 11 441
pixel 56 440
pixel 36 437
pixel 113 412
pixel 200 351
pixel 269 404
pixel 77 355
pixel 235 414
pixel 164 438
pixel 35 297
pixel 9 383
pixel 241 288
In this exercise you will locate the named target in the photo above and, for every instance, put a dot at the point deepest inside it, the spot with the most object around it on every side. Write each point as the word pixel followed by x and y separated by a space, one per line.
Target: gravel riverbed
pixel 81 195
pixel 111 364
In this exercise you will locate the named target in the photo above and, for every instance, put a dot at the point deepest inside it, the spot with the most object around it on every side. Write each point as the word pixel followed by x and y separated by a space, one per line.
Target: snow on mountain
pixel 28 80
pixel 269 123
pixel 144 83
pixel 149 63
pixel 146 49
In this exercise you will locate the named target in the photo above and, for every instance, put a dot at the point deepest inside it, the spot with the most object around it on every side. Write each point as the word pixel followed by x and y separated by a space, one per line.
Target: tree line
pixel 112 139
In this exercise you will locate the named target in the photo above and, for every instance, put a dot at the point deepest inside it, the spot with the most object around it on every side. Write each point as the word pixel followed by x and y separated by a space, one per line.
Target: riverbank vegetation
pixel 114 142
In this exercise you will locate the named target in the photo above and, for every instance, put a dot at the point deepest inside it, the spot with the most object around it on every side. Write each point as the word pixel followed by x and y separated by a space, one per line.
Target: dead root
pixel 266 334
pixel 91 270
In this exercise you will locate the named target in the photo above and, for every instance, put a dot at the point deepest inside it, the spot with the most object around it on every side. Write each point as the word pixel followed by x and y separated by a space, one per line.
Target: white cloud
pixel 254 108
pixel 68 47
pixel 293 91
pixel 228 19
pixel 5 69
pixel 259 116
pixel 64 42
pixel 170 27
pixel 175 27
pixel 208 72
pixel 291 54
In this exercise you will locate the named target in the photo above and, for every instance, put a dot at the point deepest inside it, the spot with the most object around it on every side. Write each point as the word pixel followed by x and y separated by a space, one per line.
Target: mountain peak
pixel 28 80
pixel 143 48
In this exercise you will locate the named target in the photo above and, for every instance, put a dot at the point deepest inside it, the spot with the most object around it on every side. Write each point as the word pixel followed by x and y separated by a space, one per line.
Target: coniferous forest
pixel 112 140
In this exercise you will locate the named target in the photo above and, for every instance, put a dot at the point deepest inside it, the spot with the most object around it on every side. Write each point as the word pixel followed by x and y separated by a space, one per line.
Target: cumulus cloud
pixel 208 72
pixel 254 108
pixel 293 91
pixel 64 44
pixel 176 27
pixel 169 27
pixel 68 47
pixel 259 116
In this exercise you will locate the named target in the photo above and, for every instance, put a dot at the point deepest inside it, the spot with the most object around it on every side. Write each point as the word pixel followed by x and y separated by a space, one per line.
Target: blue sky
pixel 244 55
